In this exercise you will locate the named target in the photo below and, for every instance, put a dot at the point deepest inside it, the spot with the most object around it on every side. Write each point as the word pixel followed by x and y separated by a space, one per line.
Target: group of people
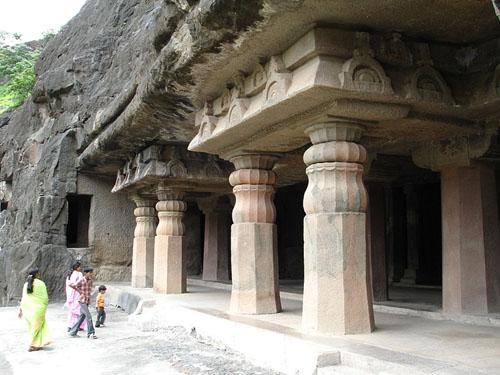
pixel 79 288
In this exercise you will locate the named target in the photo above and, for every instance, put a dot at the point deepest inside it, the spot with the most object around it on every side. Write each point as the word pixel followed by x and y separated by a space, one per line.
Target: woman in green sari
pixel 33 307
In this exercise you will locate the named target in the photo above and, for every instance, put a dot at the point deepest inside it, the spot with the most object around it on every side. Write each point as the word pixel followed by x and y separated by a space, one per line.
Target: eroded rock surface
pixel 115 64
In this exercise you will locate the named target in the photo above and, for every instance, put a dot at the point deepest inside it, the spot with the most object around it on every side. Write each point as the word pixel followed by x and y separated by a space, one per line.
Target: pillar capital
pixel 168 193
pixel 143 201
pixel 253 160
pixel 335 129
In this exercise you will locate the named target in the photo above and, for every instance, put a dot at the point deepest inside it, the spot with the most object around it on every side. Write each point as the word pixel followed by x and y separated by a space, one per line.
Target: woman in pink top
pixel 72 296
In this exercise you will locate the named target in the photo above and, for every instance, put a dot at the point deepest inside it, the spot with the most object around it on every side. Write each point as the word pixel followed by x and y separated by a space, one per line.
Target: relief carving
pixel 256 82
pixel 176 168
pixel 207 127
pixel 394 51
pixel 363 73
pixel 237 111
pixel 278 83
pixel 427 84
pixel 221 104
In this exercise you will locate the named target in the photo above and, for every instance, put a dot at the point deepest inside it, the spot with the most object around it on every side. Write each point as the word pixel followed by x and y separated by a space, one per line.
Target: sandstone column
pixel 216 241
pixel 144 243
pixel 169 264
pixel 389 209
pixel 337 290
pixel 412 263
pixel 471 244
pixel 254 237
pixel 377 231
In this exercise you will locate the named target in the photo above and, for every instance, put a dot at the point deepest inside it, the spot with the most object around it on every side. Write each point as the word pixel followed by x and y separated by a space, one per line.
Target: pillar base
pixel 254 269
pixel 142 262
pixel 169 272
pixel 336 296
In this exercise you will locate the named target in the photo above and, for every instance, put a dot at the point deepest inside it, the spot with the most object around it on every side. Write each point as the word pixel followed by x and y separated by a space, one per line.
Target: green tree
pixel 17 71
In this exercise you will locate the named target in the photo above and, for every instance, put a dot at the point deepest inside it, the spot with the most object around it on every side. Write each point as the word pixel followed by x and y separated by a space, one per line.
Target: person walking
pixel 73 296
pixel 33 307
pixel 99 305
pixel 84 287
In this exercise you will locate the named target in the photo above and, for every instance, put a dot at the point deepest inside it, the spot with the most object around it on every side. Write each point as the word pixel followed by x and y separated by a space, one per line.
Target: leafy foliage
pixel 17 71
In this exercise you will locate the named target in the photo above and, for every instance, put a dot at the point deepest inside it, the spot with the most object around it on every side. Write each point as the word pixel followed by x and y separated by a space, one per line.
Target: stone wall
pixel 111 229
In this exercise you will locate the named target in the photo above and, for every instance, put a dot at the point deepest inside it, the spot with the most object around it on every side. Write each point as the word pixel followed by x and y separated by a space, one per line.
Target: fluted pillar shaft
pixel 144 241
pixel 337 290
pixel 169 265
pixel 254 236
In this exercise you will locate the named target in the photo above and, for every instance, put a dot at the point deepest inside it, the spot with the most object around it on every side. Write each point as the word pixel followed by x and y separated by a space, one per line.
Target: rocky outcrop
pixel 114 64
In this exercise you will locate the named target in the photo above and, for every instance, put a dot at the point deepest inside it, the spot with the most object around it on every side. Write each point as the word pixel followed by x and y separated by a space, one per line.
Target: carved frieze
pixel 170 163
pixel 323 68
pixel 427 84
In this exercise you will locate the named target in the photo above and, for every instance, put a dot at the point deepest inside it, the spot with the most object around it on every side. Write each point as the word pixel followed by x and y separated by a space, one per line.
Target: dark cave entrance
pixel 77 230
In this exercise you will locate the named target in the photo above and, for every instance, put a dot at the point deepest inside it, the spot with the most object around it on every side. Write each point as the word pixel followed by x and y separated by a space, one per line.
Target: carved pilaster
pixel 254 236
pixel 337 291
pixel 143 248
pixel 170 267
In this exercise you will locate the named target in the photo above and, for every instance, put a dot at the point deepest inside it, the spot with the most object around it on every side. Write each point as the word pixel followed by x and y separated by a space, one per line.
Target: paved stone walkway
pixel 120 349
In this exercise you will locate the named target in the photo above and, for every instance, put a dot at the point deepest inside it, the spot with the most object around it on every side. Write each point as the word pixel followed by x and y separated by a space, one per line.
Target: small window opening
pixel 3 206
pixel 77 230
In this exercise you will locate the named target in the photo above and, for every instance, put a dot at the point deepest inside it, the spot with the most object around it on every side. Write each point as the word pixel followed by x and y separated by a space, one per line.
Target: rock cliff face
pixel 114 63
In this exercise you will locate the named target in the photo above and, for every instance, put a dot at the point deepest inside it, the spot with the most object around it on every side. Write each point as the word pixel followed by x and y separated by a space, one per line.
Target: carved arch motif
pixel 176 168
pixel 427 84
pixel 365 74
pixel 207 127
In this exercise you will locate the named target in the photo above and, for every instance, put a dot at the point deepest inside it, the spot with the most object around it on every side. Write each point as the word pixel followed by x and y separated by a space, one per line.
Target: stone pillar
pixel 169 263
pixel 216 241
pixel 389 209
pixel 144 243
pixel 471 244
pixel 254 256
pixel 337 289
pixel 412 263
pixel 377 243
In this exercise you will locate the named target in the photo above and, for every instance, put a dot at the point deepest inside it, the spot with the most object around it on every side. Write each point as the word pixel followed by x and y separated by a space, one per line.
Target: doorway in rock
pixel 415 271
pixel 3 206
pixel 77 230
pixel 404 237
pixel 290 222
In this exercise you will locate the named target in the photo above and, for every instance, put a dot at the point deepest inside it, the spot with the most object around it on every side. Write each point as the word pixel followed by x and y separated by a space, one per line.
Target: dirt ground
pixel 119 349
